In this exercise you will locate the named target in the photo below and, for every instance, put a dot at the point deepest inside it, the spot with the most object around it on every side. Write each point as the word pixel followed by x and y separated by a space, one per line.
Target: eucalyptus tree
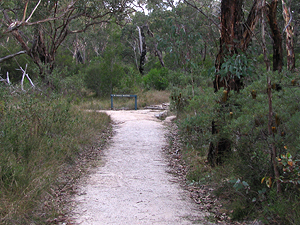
pixel 39 28
pixel 184 35
pixel 138 34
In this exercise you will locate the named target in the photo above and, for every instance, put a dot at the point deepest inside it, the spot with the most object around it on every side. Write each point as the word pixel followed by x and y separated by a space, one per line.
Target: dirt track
pixel 131 185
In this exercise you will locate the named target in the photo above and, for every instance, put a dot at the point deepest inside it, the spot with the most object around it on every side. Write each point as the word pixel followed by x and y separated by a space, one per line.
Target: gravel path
pixel 131 185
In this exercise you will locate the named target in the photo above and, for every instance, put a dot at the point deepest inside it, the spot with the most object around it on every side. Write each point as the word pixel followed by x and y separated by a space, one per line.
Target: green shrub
pixel 156 79
pixel 104 74
pixel 130 82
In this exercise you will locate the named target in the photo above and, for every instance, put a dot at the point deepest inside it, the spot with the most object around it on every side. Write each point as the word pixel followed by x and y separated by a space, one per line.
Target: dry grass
pixel 42 138
pixel 147 98
pixel 153 97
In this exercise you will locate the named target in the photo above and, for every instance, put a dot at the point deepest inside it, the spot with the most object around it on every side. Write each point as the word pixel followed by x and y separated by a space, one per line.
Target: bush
pixel 129 82
pixel 103 78
pixel 243 120
pixel 64 81
pixel 156 79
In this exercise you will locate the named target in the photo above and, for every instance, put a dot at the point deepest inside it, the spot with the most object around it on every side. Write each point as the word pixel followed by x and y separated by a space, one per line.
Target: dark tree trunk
pixel 143 47
pixel 143 50
pixel 250 24
pixel 38 52
pixel 41 56
pixel 263 37
pixel 231 31
pixel 276 36
pixel 235 37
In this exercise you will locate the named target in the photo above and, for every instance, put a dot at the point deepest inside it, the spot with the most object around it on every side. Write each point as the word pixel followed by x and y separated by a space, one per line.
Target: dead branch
pixel 23 77
pixel 5 80
pixel 33 11
pixel 12 55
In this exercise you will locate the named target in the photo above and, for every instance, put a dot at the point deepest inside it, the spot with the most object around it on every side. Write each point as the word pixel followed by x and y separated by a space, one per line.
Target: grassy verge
pixel 42 138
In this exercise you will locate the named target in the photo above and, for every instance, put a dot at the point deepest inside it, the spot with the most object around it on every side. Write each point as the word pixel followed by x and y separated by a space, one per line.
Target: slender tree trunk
pixel 159 55
pixel 135 56
pixel 289 43
pixel 204 53
pixel 271 134
pixel 276 36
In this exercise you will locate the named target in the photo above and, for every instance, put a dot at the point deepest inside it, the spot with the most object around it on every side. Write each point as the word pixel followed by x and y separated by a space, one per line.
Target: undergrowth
pixel 244 178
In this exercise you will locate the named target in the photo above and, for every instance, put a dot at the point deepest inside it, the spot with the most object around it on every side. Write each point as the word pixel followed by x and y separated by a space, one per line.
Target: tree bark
pixel 231 31
pixel 250 24
pixel 276 36
pixel 289 43
pixel 235 36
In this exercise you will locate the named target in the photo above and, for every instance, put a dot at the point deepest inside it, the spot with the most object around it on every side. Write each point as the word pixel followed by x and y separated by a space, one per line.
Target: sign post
pixel 126 96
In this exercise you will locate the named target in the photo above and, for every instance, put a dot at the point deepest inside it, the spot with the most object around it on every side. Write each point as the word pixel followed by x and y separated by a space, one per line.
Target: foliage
pixel 290 170
pixel 102 77
pixel 108 73
pixel 67 80
pixel 157 79
pixel 129 82
pixel 178 35
pixel 237 65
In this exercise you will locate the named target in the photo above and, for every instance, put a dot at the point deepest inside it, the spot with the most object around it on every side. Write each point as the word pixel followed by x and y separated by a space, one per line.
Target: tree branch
pixel 15 25
pixel 199 10
pixel 33 11
pixel 12 56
